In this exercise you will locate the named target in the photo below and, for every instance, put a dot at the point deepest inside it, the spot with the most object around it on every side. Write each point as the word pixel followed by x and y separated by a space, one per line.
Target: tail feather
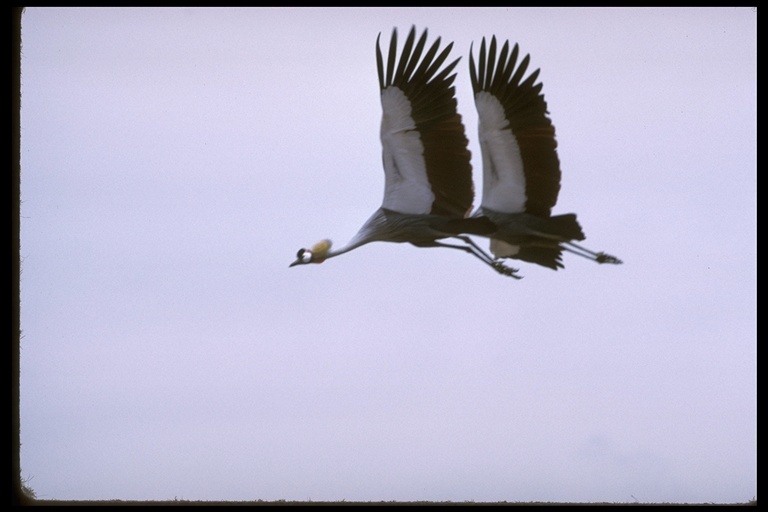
pixel 566 226
pixel 550 257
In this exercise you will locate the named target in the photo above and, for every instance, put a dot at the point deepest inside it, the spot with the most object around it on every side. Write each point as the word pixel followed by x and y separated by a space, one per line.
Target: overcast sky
pixel 174 161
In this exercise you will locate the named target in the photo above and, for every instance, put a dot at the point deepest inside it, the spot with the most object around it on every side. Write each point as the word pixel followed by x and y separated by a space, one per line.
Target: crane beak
pixel 297 262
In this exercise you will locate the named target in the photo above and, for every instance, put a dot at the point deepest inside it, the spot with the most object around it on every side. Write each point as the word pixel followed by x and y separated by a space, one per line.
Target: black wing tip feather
pixel 491 72
pixel 504 77
pixel 411 66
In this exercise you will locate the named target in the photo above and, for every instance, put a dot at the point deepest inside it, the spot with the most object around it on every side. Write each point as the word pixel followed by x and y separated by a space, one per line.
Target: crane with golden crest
pixel 428 189
pixel 521 169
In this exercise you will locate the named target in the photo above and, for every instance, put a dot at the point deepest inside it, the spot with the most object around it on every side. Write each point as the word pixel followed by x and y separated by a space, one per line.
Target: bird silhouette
pixel 521 169
pixel 428 188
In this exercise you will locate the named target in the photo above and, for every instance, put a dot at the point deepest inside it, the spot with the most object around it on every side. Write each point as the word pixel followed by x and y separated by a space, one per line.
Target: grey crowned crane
pixel 521 169
pixel 428 189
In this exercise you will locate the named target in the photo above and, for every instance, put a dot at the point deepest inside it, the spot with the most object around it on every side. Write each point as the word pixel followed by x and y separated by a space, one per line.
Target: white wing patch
pixel 503 176
pixel 406 187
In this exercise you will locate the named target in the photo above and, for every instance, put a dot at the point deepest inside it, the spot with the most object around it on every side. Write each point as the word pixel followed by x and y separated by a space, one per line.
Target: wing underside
pixel 521 170
pixel 424 146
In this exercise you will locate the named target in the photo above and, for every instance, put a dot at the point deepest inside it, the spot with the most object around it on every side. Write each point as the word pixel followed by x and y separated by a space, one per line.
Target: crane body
pixel 428 187
pixel 521 168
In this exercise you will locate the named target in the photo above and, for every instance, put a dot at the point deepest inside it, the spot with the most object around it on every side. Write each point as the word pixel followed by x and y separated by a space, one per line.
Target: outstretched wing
pixel 521 170
pixel 426 161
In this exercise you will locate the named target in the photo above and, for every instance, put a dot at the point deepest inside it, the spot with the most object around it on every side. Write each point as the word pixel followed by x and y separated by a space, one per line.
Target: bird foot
pixel 499 267
pixel 607 258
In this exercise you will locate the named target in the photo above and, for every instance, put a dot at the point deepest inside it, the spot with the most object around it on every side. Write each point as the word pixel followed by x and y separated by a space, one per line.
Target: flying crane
pixel 521 169
pixel 428 190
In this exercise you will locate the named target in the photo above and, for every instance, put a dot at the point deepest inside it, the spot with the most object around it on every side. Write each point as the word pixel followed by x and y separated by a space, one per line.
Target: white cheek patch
pixel 503 175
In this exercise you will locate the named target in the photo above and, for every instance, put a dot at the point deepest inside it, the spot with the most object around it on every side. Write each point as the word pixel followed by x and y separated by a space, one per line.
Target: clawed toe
pixel 505 270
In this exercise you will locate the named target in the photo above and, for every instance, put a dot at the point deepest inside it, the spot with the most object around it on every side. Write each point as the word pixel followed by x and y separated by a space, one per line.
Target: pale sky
pixel 173 162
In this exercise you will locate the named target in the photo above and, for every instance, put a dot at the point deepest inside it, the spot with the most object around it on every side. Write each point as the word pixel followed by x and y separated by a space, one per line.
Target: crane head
pixel 317 254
